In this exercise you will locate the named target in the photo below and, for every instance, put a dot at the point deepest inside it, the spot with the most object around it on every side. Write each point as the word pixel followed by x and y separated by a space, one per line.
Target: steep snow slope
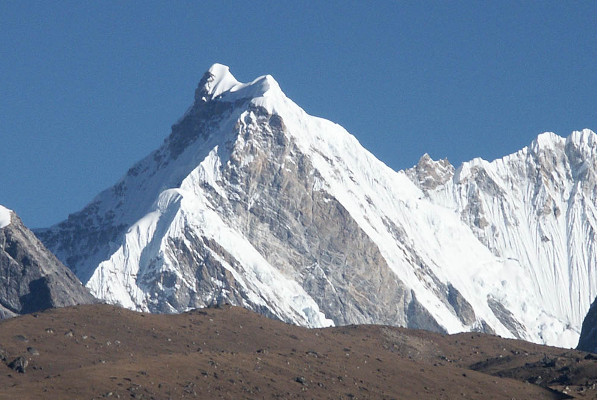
pixel 537 207
pixel 252 201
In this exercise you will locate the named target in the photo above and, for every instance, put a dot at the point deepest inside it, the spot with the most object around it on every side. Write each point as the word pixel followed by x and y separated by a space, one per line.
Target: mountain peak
pixel 33 278
pixel 429 173
pixel 214 82
pixel 546 140
pixel 219 84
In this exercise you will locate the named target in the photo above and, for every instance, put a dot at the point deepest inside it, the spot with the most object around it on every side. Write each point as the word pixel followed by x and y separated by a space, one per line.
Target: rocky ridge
pixel 31 277
pixel 589 330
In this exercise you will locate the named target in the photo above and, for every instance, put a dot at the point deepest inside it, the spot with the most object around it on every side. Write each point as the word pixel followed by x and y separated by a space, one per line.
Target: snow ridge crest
pixel 218 83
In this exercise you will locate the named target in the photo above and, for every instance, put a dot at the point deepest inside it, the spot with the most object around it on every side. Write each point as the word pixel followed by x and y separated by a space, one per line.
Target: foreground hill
pixel 102 351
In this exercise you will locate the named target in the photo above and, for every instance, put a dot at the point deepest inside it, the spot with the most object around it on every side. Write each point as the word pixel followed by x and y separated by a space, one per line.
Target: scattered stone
pixel 21 338
pixel 312 353
pixel 33 351
pixel 300 380
pixel 536 380
pixel 548 362
pixel 19 364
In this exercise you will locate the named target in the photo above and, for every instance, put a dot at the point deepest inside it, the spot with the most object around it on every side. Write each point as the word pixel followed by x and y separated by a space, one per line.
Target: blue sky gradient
pixel 89 88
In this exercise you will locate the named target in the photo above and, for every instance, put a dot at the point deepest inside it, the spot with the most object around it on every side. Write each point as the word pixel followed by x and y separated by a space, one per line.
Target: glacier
pixel 253 202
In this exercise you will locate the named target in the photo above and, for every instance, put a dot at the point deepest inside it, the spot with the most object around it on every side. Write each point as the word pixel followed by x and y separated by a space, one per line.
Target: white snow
pixel 225 87
pixel 221 81
pixel 546 286
pixel 481 275
pixel 4 217
pixel 544 223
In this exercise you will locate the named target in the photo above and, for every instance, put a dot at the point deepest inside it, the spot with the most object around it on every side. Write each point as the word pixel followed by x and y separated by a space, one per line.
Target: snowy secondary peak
pixel 4 216
pixel 585 137
pixel 546 140
pixel 537 207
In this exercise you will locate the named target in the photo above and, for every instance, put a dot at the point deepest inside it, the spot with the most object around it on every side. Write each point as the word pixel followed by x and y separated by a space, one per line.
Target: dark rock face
pixel 32 278
pixel 588 341
pixel 506 317
pixel 461 306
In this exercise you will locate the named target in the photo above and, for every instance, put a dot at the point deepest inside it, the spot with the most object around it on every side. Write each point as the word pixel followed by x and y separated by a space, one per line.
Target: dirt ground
pixel 101 351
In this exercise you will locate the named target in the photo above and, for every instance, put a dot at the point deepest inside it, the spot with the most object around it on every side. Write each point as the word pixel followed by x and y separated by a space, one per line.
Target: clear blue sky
pixel 88 88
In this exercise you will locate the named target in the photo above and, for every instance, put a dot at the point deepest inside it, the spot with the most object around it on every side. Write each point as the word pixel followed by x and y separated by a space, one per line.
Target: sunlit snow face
pixel 4 216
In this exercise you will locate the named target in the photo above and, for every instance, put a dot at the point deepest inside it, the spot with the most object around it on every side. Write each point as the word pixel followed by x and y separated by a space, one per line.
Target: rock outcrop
pixel 589 331
pixel 31 277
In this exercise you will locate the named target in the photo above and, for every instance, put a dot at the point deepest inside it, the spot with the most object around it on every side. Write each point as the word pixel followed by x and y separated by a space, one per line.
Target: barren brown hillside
pixel 101 351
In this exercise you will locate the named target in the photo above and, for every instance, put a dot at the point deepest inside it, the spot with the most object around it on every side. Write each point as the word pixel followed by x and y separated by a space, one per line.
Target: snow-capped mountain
pixel 252 201
pixel 31 278
pixel 537 207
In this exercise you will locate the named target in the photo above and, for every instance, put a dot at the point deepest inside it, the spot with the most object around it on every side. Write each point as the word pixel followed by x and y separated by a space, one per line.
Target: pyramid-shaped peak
pixel 425 158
